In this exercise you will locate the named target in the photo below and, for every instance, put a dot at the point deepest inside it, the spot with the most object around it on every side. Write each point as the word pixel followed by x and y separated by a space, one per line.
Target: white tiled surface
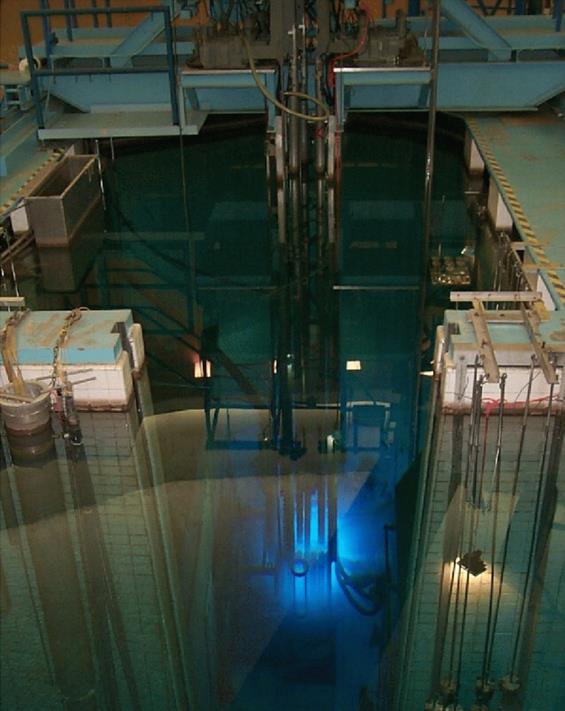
pixel 112 386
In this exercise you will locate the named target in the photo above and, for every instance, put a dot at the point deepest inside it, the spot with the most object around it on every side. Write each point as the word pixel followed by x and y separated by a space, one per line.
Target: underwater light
pixel 353 365
pixel 473 563
pixel 203 369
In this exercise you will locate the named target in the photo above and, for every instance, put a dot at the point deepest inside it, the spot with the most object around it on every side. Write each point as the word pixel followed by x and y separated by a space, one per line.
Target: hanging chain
pixel 56 364
pixel 8 350
pixel 12 321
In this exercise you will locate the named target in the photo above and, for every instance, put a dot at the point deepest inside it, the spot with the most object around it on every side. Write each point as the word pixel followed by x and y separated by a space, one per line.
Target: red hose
pixel 356 50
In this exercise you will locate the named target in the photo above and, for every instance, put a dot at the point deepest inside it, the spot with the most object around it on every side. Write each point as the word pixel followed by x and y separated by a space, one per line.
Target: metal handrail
pixel 45 14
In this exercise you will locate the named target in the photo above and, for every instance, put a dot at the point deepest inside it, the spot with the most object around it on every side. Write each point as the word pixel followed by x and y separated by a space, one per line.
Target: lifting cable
pixel 461 530
pixel 495 494
pixel 525 416
pixel 475 405
pixel 346 55
pixel 324 116
pixel 475 433
pixel 186 213
pixel 535 525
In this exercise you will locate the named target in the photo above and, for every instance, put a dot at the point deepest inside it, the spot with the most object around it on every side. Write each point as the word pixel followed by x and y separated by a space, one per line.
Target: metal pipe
pixel 94 15
pixel 304 89
pixel 485 671
pixel 171 66
pixel 428 190
pixel 523 428
pixel 94 71
pixel 35 90
pixel 108 14
pixel 542 479
pixel 430 148
pixel 428 474
pixel 137 9
pixel 294 128
pixel 69 20
pixel 74 18
pixel 44 5
pixel 320 157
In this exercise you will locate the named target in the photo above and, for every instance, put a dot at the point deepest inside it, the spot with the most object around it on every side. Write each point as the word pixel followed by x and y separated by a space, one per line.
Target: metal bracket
pixel 486 349
pixel 495 296
pixel 542 354
pixel 12 302
pixel 460 377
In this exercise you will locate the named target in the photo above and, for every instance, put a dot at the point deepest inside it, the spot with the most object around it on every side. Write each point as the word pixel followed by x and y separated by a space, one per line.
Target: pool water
pixel 238 541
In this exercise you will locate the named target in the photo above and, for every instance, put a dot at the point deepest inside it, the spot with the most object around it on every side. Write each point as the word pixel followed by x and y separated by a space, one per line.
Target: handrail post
pixel 95 21
pixel 68 21
pixel 430 147
pixel 558 12
pixel 108 14
pixel 74 18
pixel 35 89
pixel 171 65
pixel 44 5
pixel 70 12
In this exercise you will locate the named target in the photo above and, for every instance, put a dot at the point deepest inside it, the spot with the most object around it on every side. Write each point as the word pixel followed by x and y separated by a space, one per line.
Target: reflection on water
pixel 243 545
pixel 151 568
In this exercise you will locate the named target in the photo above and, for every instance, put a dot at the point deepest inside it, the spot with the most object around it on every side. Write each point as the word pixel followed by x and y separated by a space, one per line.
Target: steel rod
pixel 430 147
pixel 495 296
pixel 485 672
pixel 99 70
pixel 523 429
pixel 535 525
pixel 137 9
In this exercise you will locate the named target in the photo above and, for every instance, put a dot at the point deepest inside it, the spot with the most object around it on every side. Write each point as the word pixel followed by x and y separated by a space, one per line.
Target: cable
pixel 497 466
pixel 348 585
pixel 474 424
pixel 510 511
pixel 358 47
pixel 273 99
pixel 535 523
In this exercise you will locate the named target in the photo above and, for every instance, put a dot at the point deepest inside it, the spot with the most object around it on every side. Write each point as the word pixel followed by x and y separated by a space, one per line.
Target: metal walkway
pixel 526 156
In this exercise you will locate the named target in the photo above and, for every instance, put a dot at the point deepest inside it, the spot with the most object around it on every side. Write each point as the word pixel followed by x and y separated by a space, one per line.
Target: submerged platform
pixel 95 354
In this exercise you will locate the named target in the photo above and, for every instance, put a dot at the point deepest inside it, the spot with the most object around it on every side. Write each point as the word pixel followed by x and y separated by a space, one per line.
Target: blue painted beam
pixel 86 92
pixel 519 43
pixel 138 39
pixel 230 91
pixel 504 86
pixel 97 49
pixel 476 29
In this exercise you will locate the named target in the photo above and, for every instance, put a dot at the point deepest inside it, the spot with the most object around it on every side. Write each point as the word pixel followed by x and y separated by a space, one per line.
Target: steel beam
pixel 139 38
pixel 495 296
pixel 476 28
pixel 539 346
pixel 462 86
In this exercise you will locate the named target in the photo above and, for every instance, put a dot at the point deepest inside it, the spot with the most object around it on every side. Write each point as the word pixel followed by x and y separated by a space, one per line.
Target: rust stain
pixel 528 119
